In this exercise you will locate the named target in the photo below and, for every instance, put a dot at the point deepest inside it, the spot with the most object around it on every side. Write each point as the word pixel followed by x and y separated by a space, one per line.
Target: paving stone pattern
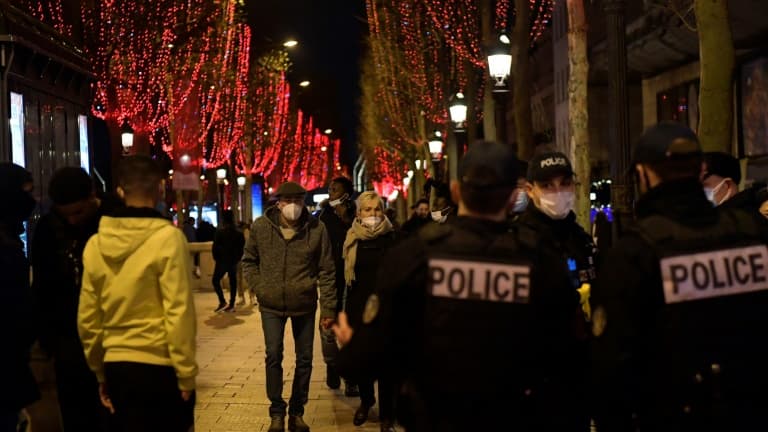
pixel 231 387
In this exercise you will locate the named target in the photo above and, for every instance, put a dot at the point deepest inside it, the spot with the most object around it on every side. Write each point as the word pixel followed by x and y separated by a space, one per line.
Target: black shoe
pixel 230 308
pixel 332 379
pixel 221 307
pixel 361 415
pixel 296 424
pixel 351 390
pixel 277 425
pixel 388 426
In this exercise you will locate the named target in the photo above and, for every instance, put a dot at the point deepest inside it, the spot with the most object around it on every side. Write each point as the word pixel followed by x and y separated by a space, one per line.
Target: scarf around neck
pixel 358 232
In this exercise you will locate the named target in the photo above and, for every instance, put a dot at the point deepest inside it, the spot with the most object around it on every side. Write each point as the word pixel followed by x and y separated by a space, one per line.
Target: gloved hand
pixel 584 292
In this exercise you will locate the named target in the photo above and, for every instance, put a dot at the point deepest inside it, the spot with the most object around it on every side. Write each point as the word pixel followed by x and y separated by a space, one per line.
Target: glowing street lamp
pixel 290 43
pixel 304 83
pixel 500 62
pixel 436 145
pixel 126 137
pixel 458 110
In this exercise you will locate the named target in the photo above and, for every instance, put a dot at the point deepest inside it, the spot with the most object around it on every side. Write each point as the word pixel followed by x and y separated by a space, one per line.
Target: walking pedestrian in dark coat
pixel 227 252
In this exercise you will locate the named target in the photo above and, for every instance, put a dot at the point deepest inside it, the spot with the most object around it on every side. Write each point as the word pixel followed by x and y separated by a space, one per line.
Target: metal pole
pixel 622 190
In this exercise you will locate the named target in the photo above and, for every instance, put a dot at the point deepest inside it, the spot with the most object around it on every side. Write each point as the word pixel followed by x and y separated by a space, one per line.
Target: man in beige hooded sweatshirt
pixel 136 316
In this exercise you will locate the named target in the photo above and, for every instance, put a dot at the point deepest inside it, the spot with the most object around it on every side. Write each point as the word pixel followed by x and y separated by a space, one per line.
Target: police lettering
pixel 553 161
pixel 476 280
pixel 714 274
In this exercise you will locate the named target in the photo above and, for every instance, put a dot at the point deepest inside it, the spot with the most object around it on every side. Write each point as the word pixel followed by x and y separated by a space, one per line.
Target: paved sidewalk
pixel 231 393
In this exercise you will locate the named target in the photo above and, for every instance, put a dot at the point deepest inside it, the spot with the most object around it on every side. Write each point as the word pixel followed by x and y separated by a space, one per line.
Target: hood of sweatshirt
pixel 119 237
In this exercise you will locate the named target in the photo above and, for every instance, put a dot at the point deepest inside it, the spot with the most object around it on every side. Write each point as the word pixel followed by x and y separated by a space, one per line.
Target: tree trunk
pixel 716 53
pixel 578 115
pixel 471 98
pixel 488 37
pixel 521 83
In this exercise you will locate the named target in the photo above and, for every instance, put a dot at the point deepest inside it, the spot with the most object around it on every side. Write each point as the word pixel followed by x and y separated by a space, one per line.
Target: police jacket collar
pixel 676 199
pixel 481 225
pixel 535 216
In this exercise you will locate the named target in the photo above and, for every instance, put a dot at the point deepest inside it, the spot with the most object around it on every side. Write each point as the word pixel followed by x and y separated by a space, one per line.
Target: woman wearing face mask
pixel 367 240
pixel 549 216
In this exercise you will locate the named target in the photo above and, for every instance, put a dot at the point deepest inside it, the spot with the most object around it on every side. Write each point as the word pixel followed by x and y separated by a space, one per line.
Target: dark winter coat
pixel 228 244
pixel 286 274
pixel 370 256
pixel 337 232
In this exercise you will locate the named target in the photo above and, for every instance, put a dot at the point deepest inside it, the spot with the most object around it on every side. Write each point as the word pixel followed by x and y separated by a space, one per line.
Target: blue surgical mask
pixel 521 202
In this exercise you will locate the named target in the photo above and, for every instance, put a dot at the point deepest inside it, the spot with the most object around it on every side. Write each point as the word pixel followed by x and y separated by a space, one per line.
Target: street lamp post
pixel 435 144
pixel 499 67
pixel 126 137
pixel 240 196
pixel 221 177
pixel 457 136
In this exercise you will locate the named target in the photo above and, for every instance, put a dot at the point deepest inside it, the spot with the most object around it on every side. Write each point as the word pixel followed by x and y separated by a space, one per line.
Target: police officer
pixel 551 191
pixel 679 310
pixel 471 316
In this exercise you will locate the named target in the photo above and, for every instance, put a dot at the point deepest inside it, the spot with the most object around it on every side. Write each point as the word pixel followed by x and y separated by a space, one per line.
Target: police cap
pixel 546 166
pixel 488 164
pixel 723 165
pixel 666 141
pixel 290 189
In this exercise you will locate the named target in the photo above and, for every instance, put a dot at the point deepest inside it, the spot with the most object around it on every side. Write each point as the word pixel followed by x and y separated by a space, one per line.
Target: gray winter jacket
pixel 286 274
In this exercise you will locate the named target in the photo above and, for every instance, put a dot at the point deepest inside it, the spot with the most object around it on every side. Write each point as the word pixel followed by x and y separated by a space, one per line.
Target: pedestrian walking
pixel 18 389
pixel 679 308
pixel 419 217
pixel 470 316
pixel 227 251
pixel 136 317
pixel 191 234
pixel 337 216
pixel 287 259
pixel 57 261
pixel 370 236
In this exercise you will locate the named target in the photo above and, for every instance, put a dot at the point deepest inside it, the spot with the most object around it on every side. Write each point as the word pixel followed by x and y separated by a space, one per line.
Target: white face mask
pixel 521 202
pixel 336 202
pixel 371 221
pixel 292 211
pixel 557 205
pixel 438 217
pixel 710 193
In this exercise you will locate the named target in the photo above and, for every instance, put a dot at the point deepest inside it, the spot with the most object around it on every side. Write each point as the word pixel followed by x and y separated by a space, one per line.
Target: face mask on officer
pixel 554 197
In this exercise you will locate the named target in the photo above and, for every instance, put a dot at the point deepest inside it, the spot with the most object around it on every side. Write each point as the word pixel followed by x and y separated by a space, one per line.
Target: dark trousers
pixel 78 394
pixel 386 397
pixel 303 327
pixel 218 273
pixel 147 398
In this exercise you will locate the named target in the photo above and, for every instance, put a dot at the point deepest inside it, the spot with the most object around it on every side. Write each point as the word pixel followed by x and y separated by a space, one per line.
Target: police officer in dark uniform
pixel 551 191
pixel 471 317
pixel 679 311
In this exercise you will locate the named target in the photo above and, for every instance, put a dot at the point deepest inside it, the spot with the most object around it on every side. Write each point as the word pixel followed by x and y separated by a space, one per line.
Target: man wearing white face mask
pixel 721 175
pixel 287 259
pixel 551 192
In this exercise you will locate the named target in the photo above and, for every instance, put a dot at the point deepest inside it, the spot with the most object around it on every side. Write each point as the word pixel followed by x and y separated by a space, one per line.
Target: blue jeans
pixel 303 328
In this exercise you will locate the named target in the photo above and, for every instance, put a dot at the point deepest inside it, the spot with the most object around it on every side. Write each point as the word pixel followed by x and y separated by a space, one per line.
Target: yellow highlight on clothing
pixel 584 292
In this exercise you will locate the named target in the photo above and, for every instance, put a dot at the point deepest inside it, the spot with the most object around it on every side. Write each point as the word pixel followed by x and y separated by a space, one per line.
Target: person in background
pixel 721 176
pixel 244 228
pixel 419 218
pixel 227 251
pixel 18 388
pixel 370 236
pixel 391 214
pixel 191 234
pixel 337 215
pixel 288 259
pixel 136 315
pixel 444 209
pixel 205 231
pixel 521 202
pixel 57 262
pixel 602 235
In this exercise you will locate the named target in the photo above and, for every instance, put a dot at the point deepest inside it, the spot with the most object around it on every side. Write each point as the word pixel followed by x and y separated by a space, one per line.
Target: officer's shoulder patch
pixel 371 310
pixel 599 321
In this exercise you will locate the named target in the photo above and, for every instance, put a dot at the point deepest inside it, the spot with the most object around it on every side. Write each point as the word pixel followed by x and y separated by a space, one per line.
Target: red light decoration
pixel 47 11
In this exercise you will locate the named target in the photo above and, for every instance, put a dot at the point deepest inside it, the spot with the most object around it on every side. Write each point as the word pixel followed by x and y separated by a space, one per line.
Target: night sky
pixel 330 35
